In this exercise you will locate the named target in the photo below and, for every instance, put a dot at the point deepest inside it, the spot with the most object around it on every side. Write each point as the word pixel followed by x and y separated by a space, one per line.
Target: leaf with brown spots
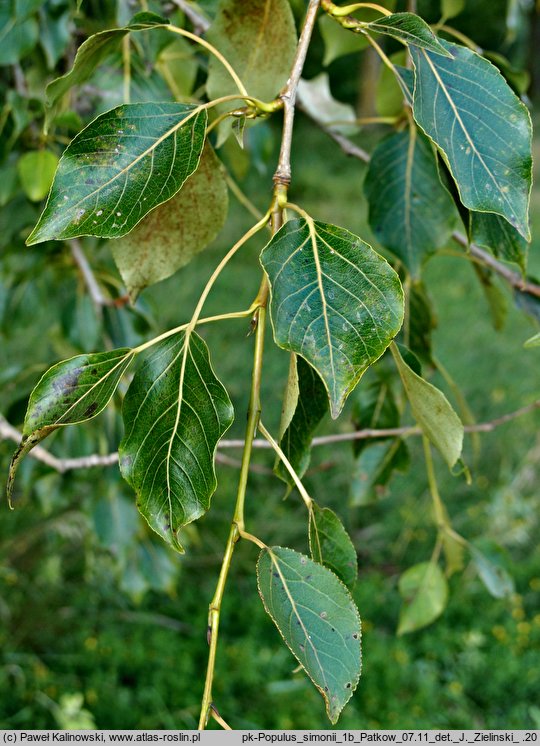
pixel 175 232
pixel 259 40
pixel 70 392
pixel 317 617
pixel 123 164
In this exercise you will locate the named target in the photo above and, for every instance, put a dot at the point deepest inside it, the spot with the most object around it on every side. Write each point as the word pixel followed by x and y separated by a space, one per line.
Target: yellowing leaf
pixel 425 592
pixel 172 234
pixel 36 172
pixel 432 411
pixel 122 165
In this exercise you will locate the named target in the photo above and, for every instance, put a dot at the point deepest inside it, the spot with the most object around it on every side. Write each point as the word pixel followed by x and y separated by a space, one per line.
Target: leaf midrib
pixel 150 150
pixel 465 131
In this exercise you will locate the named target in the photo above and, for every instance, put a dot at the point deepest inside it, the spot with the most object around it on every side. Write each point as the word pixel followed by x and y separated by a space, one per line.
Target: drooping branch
pixel 8 432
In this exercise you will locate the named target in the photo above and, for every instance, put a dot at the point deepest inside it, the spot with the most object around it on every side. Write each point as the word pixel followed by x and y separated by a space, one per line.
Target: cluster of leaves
pixel 147 175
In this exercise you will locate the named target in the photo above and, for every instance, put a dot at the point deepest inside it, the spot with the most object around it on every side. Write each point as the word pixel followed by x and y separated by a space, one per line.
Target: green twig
pixel 237 525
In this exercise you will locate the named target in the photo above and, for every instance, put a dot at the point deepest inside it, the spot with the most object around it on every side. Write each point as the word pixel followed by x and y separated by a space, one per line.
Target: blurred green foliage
pixel 101 624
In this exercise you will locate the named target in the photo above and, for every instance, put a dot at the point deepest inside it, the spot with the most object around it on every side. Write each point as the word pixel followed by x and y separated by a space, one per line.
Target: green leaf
pixel 497 235
pixel 374 469
pixel 334 301
pixel 331 545
pixel 432 411
pixel 316 616
pixel 54 35
pixel 481 127
pixel 494 577
pixel 174 412
pixel 454 551
pixel 374 407
pixel 75 390
pixel 126 162
pixel 425 592
pixel 317 101
pixel 175 232
pixel 410 211
pixel 389 93
pixel 36 172
pixel 533 341
pixel 518 79
pixel 18 34
pixel 451 8
pixel 496 298
pixel 422 322
pixel 527 302
pixel 338 43
pixel 94 50
pixel 259 40
pixel 305 415
pixel 178 66
pixel 410 29
pixel 70 392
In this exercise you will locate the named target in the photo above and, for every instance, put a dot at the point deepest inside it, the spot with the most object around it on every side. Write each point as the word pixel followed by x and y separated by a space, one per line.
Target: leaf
pixel 337 43
pixel 18 34
pixel 422 322
pixel 533 341
pixel 517 78
pixel 432 411
pixel 316 616
pixel 374 469
pixel 527 302
pixel 497 235
pixel 70 392
pixel 481 127
pixel 122 165
pixel 496 299
pixel 410 29
pixel 410 211
pixel 306 413
pixel 331 545
pixel 389 93
pixel 451 8
pixel 454 551
pixel 54 35
pixel 174 412
pixel 175 232
pixel 425 592
pixel 317 101
pixel 495 578
pixel 36 172
pixel 178 66
pixel 334 301
pixel 259 40
pixel 374 407
pixel 94 50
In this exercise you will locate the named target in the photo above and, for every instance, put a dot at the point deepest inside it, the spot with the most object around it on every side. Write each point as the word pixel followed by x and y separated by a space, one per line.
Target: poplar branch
pixel 62 465
pixel 288 95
